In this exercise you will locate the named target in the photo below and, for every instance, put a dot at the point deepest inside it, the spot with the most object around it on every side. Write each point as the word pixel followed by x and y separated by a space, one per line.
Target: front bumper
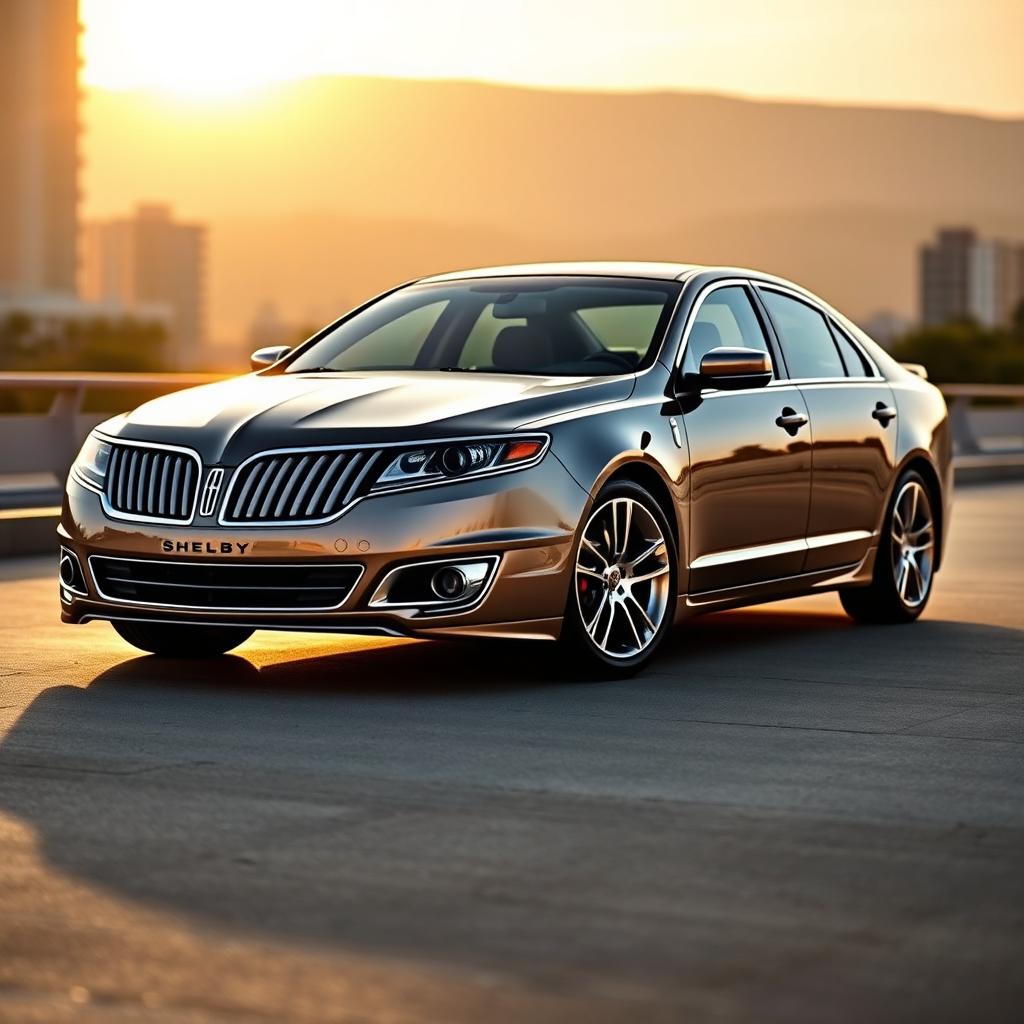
pixel 527 520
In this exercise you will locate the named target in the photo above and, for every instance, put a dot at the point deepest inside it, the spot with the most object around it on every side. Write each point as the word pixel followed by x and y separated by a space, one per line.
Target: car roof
pixel 625 269
pixel 655 271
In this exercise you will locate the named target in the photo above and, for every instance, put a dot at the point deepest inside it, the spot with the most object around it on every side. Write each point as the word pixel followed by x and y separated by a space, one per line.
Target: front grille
pixel 224 586
pixel 157 483
pixel 296 487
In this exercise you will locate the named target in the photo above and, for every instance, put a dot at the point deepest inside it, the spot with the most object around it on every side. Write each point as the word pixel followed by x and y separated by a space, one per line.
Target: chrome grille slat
pixel 293 479
pixel 364 473
pixel 321 487
pixel 110 485
pixel 158 462
pixel 299 486
pixel 174 487
pixel 144 462
pixel 130 484
pixel 343 478
pixel 306 484
pixel 150 482
pixel 264 474
pixel 275 483
pixel 162 500
pixel 188 489
pixel 249 476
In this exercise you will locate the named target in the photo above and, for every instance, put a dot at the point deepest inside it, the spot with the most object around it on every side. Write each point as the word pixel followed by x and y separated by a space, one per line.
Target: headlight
pixel 457 459
pixel 90 468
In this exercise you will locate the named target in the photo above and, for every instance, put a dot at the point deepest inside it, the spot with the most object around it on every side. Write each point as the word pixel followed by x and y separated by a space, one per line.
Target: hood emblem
pixel 211 490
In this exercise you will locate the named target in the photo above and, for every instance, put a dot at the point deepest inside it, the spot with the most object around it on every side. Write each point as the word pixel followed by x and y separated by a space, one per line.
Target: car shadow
pixel 339 798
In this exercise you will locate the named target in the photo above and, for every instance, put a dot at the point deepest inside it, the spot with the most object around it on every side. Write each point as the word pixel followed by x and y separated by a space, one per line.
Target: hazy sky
pixel 954 54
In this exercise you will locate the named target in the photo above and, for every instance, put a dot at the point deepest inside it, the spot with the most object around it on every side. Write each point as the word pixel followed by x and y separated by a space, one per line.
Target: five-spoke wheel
pixel 913 543
pixel 624 579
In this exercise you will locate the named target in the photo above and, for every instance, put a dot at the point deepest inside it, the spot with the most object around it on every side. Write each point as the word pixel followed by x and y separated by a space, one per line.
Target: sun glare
pixel 189 49
pixel 222 48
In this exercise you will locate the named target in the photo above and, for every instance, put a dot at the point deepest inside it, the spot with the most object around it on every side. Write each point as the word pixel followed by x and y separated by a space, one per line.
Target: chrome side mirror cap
pixel 730 368
pixel 264 357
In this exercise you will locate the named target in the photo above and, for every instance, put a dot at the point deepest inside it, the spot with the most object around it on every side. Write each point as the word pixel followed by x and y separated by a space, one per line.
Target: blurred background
pixel 182 181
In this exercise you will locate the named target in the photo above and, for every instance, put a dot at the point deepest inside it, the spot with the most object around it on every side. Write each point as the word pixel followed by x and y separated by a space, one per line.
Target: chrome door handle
pixel 791 420
pixel 884 413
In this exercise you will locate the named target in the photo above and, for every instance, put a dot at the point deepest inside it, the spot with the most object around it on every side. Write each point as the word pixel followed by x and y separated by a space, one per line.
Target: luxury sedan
pixel 576 453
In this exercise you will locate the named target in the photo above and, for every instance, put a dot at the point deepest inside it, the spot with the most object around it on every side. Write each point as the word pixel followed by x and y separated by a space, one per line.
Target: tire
pixel 621 586
pixel 176 640
pixel 905 564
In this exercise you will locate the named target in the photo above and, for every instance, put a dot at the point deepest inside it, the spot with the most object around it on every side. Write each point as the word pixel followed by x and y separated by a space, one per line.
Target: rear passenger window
pixel 806 340
pixel 725 317
pixel 856 365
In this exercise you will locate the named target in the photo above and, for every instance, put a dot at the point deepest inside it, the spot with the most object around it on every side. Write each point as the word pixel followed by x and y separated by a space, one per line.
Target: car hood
pixel 231 419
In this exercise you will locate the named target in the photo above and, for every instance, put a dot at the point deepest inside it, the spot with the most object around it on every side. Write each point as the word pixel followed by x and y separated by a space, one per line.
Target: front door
pixel 750 459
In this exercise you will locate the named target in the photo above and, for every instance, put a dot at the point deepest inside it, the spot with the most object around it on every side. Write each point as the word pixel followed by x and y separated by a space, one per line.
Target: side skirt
pixel 799 585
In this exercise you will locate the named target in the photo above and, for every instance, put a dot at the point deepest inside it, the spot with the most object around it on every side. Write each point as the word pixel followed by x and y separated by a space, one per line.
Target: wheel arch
pixel 645 475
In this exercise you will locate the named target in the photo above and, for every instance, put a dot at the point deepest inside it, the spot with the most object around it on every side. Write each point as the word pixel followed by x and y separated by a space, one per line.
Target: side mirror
pixel 730 369
pixel 264 357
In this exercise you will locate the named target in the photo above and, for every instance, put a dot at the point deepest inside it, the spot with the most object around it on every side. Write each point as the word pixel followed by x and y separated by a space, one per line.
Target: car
pixel 580 453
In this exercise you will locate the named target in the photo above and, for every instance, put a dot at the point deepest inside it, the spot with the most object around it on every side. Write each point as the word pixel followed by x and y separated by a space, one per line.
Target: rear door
pixel 853 420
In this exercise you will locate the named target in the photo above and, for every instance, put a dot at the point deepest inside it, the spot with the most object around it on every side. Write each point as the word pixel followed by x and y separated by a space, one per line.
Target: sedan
pixel 581 454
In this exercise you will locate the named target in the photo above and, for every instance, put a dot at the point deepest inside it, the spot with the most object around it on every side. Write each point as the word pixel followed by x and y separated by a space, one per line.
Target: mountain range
pixel 321 192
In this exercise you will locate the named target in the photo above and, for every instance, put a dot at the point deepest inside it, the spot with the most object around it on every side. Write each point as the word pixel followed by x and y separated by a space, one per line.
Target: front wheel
pixel 178 640
pixel 905 563
pixel 623 597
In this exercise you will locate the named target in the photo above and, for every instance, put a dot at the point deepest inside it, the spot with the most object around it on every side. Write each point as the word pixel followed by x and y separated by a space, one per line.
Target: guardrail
pixel 34 443
pixel 993 428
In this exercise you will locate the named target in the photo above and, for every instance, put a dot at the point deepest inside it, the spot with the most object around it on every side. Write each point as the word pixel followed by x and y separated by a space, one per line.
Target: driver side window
pixel 726 317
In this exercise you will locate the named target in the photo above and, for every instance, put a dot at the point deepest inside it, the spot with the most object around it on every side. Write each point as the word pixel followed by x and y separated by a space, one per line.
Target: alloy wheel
pixel 622 578
pixel 913 544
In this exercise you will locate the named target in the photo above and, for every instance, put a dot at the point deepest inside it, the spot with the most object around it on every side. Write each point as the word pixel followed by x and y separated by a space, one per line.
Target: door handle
pixel 884 413
pixel 791 421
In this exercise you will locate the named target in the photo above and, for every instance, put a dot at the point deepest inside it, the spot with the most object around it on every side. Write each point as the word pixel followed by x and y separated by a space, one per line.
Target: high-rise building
pixel 38 146
pixel 965 277
pixel 149 258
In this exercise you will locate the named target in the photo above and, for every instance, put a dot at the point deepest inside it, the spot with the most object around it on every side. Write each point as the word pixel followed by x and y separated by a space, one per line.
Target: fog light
pixel 438 586
pixel 449 583
pixel 69 571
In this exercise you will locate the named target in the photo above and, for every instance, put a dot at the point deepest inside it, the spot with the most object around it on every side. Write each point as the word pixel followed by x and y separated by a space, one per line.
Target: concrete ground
pixel 788 818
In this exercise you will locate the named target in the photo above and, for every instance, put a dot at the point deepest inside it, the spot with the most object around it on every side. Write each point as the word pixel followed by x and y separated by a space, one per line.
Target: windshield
pixel 550 326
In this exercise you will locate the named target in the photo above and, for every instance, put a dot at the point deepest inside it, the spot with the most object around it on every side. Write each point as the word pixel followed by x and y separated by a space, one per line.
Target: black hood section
pixel 230 420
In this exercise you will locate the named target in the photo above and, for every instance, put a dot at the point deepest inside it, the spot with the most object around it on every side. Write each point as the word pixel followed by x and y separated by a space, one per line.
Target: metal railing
pixel 993 428
pixel 46 442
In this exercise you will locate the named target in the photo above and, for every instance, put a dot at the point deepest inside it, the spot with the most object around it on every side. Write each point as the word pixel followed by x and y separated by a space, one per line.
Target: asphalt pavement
pixel 788 818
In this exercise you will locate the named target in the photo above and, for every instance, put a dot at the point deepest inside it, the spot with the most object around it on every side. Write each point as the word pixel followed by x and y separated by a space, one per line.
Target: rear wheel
pixel 624 589
pixel 905 564
pixel 178 640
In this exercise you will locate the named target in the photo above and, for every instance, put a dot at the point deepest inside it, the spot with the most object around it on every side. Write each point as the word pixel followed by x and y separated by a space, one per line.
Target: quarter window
pixel 855 363
pixel 806 340
pixel 726 317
